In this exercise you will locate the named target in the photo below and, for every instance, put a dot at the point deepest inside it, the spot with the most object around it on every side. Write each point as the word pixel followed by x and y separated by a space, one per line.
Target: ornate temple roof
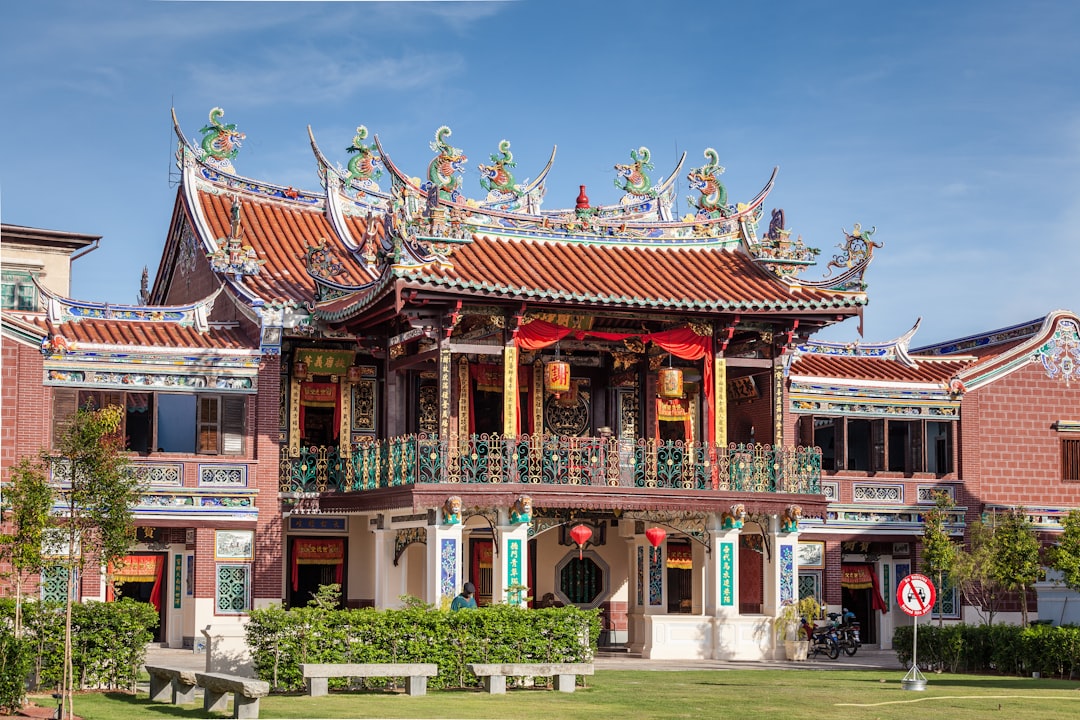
pixel 338 251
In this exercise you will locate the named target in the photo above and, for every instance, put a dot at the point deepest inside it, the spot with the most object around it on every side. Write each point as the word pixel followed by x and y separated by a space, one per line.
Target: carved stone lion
pixel 789 521
pixel 734 518
pixel 521 510
pixel 452 510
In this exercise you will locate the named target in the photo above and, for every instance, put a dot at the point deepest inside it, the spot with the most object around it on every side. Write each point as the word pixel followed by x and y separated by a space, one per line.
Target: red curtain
pixel 863 577
pixel 683 343
pixel 313 394
pixel 139 568
pixel 329 551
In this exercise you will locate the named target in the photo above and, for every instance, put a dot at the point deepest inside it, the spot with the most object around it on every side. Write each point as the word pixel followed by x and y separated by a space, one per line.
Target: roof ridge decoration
pixel 233 256
pixel 712 200
pixel 631 177
pixel 778 253
pixel 1060 354
pixel 1020 331
pixel 854 258
pixel 363 168
pixel 895 350
pixel 220 142
pixel 445 168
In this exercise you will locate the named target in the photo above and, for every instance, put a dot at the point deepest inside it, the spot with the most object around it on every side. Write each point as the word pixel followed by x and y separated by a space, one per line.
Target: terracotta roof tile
pixel 930 370
pixel 143 334
pixel 635 276
pixel 280 233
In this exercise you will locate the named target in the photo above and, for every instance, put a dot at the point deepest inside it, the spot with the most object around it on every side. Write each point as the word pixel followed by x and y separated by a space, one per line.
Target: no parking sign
pixel 916 595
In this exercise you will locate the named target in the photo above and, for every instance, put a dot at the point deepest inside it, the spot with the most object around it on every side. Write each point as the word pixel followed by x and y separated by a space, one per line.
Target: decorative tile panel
pixel 927 493
pixel 787 574
pixel 831 491
pixel 640 575
pixel 874 493
pixel 727 574
pixel 219 475
pixel 656 577
pixel 232 593
pixel 448 567
pixel 159 474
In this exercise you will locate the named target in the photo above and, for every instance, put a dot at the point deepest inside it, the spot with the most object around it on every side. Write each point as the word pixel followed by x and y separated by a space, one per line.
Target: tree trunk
pixel 1023 606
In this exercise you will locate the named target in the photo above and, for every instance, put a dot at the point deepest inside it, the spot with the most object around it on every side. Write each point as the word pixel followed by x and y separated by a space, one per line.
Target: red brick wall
pixel 1012 453
pixel 268 536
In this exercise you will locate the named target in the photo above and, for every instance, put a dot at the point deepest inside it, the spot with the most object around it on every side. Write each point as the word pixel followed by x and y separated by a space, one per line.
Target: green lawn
pixel 747 694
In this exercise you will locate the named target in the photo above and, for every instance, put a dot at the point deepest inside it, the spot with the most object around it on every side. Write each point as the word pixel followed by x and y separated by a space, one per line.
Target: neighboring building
pixel 401 390
pixel 992 420
pixel 27 253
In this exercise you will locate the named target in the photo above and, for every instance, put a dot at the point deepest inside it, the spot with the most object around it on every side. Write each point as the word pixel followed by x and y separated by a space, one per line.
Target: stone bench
pixel 316 675
pixel 245 691
pixel 564 675
pixel 171 684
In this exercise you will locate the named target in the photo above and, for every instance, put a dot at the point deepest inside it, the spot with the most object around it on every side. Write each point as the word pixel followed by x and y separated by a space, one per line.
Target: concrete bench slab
pixel 168 684
pixel 245 691
pixel 316 675
pixel 563 675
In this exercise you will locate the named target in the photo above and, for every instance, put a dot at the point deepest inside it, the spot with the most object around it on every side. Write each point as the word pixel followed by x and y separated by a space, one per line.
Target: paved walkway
pixel 865 659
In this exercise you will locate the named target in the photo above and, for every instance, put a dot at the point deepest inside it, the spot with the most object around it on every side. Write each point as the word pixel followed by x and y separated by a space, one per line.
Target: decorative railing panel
pixel 554 460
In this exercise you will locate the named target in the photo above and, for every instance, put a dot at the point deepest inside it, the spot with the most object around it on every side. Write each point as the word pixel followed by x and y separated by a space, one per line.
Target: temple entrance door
pixel 860 603
pixel 680 590
pixel 481 569
pixel 751 579
pixel 313 562
pixel 141 580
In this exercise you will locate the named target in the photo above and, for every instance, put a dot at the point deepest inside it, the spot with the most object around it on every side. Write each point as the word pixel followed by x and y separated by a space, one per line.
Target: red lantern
pixel 656 536
pixel 581 535
pixel 300 370
pixel 557 377
pixel 670 383
pixel 354 373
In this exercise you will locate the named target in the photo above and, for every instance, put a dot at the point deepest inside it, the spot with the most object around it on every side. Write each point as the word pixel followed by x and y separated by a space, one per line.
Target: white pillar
pixel 445 559
pixel 509 566
pixel 722 579
pixel 782 570
pixel 385 596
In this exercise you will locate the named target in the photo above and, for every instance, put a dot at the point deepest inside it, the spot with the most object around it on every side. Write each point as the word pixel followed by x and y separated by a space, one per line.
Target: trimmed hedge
pixel 280 640
pixel 1008 649
pixel 108 642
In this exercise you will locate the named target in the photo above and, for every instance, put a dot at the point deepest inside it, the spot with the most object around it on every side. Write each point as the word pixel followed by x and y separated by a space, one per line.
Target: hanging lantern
pixel 557 375
pixel 354 373
pixel 581 535
pixel 655 536
pixel 670 382
pixel 299 370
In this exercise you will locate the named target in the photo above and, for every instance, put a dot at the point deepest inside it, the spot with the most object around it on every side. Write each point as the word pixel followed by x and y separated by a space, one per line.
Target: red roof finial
pixel 582 199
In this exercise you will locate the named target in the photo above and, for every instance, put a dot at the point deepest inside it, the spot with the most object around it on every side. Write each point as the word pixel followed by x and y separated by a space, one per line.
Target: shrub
pixel 280 640
pixel 1007 649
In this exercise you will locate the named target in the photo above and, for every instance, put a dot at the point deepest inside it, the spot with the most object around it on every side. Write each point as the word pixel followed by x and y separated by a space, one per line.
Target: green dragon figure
pixel 631 177
pixel 365 158
pixel 220 143
pixel 498 178
pixel 443 168
pixel 712 201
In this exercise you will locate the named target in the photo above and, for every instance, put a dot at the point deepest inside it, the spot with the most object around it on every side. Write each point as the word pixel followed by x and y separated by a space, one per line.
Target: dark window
pixel 17 291
pixel 167 422
pixel 1070 460
pixel 581 581
pixel 875 445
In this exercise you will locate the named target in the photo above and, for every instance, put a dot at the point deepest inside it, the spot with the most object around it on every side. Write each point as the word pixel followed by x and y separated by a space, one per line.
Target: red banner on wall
pixel 138 568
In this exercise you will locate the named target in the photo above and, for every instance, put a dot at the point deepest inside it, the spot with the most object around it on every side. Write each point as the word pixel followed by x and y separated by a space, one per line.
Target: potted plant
pixel 788 626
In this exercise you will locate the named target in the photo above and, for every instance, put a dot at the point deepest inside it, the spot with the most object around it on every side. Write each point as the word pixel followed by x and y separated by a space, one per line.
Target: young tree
pixel 1065 556
pixel 27 502
pixel 939 551
pixel 1015 560
pixel 972 572
pixel 97 492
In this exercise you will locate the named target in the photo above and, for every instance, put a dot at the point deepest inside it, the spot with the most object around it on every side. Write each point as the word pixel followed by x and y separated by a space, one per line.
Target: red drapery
pixel 313 394
pixel 139 568
pixel 682 342
pixel 329 551
pixel 863 577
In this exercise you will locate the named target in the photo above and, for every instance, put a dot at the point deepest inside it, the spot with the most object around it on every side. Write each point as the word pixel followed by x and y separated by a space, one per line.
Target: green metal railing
pixel 554 460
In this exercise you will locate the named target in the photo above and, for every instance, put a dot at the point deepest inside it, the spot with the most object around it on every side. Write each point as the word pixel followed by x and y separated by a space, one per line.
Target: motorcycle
pixel 847 631
pixel 822 640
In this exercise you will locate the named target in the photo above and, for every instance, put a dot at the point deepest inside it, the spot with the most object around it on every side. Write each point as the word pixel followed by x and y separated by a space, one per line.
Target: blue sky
pixel 954 128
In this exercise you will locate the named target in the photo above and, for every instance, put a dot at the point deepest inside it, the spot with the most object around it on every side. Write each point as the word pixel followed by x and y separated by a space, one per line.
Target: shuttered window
pixel 233 416
pixel 64 402
pixel 1070 460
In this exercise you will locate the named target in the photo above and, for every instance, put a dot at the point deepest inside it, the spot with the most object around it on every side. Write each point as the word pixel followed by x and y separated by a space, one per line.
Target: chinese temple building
pixel 395 385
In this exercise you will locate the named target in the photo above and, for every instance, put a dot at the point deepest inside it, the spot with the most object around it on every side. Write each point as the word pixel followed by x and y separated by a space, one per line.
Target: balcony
pixel 554 460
